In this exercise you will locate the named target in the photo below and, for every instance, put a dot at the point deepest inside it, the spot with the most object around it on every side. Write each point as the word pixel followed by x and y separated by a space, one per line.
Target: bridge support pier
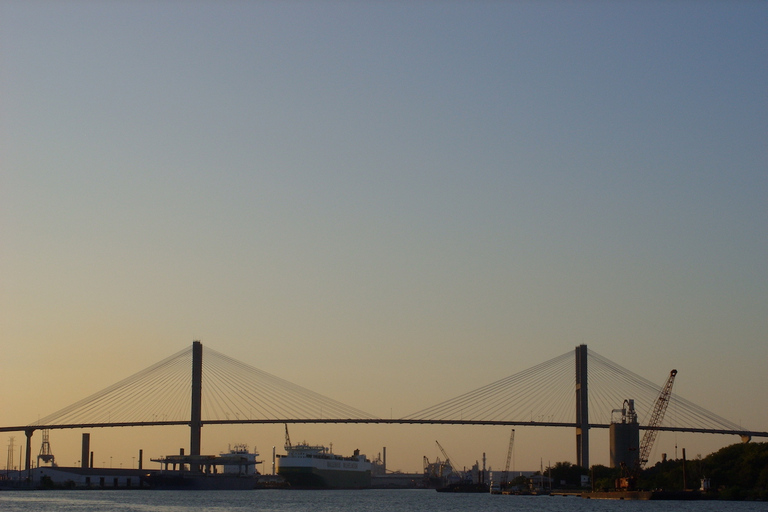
pixel 582 408
pixel 28 458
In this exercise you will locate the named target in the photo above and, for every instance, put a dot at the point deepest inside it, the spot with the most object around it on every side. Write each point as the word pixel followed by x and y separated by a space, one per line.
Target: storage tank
pixel 624 436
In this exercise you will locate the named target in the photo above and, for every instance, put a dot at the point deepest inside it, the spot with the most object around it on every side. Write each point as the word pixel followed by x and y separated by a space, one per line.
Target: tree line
pixel 736 472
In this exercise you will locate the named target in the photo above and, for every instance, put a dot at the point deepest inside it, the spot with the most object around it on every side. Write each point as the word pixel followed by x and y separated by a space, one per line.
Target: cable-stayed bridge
pixel 196 389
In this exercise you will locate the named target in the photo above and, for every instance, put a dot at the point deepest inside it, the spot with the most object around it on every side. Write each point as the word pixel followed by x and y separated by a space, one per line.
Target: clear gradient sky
pixel 390 203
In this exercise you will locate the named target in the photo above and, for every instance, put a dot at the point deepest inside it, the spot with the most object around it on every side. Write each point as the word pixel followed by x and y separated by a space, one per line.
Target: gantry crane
pixel 45 450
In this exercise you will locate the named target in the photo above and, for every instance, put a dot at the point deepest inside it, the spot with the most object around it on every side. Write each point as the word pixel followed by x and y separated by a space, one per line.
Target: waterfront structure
pixel 624 434
pixel 88 478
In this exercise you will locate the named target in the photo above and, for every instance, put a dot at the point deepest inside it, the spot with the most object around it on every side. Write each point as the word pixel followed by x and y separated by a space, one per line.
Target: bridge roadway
pixel 32 428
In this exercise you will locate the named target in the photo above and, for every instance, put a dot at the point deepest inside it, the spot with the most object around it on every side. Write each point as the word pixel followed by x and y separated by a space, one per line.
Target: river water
pixel 335 501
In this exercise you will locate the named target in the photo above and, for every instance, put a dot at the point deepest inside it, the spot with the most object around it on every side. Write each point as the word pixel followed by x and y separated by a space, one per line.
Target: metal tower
pixel 45 450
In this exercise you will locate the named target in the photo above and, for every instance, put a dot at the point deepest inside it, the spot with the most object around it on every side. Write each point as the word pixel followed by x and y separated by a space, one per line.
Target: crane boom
pixel 656 418
pixel 287 438
pixel 448 461
pixel 505 475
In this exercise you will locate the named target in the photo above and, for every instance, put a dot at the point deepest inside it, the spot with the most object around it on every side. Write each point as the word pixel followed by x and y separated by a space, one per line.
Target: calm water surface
pixel 335 501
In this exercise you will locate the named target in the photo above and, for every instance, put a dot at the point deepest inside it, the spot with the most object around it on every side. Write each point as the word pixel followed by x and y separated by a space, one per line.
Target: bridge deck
pixel 390 421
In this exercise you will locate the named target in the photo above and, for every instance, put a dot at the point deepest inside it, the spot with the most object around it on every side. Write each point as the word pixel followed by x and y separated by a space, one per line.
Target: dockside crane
pixel 448 461
pixel 656 418
pixel 505 474
pixel 287 438
pixel 629 482
pixel 45 450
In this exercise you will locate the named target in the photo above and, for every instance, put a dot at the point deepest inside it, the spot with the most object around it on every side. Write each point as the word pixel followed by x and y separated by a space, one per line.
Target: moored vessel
pixel 315 467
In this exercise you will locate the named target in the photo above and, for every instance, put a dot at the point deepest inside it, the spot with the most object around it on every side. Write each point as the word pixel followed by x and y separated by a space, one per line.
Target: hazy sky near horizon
pixel 391 203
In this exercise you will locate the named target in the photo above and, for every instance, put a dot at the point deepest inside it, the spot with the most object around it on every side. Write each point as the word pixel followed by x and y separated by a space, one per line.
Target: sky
pixel 390 203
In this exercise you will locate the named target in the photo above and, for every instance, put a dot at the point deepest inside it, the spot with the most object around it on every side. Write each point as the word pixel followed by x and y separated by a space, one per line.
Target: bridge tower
pixel 582 408
pixel 195 421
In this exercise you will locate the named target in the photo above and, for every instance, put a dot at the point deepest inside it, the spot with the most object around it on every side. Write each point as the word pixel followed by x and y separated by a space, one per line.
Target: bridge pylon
pixel 196 420
pixel 582 408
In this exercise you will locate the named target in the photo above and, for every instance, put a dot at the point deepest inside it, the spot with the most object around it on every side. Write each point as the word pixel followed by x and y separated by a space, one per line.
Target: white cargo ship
pixel 315 467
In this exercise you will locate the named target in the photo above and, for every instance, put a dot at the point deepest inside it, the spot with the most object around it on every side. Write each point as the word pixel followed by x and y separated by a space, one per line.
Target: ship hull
pixel 316 478
pixel 315 467
pixel 465 487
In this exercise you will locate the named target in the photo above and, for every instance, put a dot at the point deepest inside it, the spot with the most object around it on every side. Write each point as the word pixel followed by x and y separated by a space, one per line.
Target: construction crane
pixel 287 438
pixel 629 481
pixel 448 461
pixel 656 418
pixel 505 474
